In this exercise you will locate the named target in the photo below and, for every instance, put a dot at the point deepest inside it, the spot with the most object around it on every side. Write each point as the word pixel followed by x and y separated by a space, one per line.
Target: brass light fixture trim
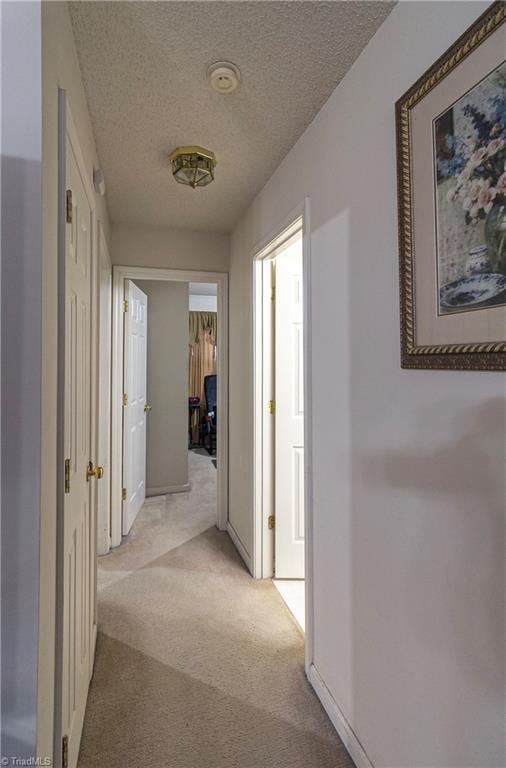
pixel 193 166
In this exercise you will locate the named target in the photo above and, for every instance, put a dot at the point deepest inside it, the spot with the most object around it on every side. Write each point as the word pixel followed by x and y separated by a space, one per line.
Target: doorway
pixel 170 413
pixel 281 397
pixel 133 411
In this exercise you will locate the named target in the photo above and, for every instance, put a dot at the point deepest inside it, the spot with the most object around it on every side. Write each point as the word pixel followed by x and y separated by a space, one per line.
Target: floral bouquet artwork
pixel 470 196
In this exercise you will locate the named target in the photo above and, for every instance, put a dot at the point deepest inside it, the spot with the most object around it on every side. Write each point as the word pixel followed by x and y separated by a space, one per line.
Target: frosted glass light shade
pixel 193 166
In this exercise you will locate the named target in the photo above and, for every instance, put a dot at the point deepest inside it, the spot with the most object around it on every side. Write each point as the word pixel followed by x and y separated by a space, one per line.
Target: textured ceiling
pixel 144 69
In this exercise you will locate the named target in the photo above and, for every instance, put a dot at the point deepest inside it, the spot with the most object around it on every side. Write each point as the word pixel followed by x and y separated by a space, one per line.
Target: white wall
pixel 408 465
pixel 167 432
pixel 60 69
pixel 146 246
pixel 199 303
pixel 21 300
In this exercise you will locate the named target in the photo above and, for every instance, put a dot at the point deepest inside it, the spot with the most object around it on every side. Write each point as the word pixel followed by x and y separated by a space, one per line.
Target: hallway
pixel 197 664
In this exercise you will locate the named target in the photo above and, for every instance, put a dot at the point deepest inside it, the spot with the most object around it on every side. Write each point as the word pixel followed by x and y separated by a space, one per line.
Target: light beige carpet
pixel 197 664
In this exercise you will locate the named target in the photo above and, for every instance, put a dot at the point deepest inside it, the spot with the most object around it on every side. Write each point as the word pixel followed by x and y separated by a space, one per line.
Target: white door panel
pixel 134 416
pixel 78 548
pixel 289 387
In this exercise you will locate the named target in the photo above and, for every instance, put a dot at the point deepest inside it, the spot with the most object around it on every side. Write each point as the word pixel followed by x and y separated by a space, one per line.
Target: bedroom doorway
pixel 151 397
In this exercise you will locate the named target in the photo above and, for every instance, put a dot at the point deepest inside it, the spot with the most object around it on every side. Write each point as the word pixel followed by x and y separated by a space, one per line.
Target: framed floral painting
pixel 451 155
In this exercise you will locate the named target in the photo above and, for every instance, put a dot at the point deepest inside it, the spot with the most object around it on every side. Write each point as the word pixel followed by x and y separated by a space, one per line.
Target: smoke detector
pixel 223 77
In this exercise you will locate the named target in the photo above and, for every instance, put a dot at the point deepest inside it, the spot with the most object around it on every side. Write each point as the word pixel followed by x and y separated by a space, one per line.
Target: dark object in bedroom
pixel 209 427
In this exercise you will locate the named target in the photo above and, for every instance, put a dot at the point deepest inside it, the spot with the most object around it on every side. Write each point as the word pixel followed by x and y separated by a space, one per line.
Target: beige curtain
pixel 202 357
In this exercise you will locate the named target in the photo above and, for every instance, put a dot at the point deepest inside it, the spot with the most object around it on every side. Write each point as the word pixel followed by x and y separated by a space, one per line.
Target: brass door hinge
pixel 67 475
pixel 125 399
pixel 123 494
pixel 69 206
pixel 125 305
pixel 270 522
pixel 271 406
pixel 273 293
pixel 65 752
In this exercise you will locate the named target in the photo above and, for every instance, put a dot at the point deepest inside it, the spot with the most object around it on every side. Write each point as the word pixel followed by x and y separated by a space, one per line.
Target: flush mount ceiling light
pixel 193 166
pixel 223 76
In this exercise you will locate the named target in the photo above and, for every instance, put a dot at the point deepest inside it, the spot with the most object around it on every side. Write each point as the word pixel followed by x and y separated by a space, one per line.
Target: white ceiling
pixel 144 68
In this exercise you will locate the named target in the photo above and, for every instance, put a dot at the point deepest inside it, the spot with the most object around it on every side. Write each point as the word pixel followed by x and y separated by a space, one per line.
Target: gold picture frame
pixel 429 338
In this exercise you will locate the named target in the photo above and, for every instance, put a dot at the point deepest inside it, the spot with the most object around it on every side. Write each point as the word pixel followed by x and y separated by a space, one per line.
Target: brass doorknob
pixel 97 472
pixel 147 408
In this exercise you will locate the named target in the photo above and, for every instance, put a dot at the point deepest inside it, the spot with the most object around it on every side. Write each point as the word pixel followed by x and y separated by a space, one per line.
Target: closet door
pixel 78 542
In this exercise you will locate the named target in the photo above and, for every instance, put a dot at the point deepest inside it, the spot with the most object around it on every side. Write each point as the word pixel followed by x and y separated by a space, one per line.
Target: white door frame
pixel 104 407
pixel 263 538
pixel 120 274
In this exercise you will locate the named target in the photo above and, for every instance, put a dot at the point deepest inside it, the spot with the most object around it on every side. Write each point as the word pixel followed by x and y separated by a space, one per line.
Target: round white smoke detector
pixel 223 76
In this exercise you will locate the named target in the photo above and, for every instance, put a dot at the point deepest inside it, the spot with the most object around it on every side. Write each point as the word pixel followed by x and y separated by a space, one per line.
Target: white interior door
pixel 289 410
pixel 104 395
pixel 78 613
pixel 134 412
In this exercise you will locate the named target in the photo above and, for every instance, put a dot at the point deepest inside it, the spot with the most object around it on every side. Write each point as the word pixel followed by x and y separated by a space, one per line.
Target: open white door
pixel 79 547
pixel 289 438
pixel 134 402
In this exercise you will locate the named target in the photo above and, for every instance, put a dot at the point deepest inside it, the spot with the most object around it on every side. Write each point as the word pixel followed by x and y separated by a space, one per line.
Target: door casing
pixel 104 393
pixel 120 274
pixel 263 458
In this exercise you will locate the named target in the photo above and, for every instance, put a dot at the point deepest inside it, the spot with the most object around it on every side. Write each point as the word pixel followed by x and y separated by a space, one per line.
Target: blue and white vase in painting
pixel 477 262
pixel 495 232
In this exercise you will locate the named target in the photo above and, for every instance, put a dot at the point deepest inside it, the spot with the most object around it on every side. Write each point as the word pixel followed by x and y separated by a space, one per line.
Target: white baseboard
pixel 169 489
pixel 94 635
pixel 239 545
pixel 338 720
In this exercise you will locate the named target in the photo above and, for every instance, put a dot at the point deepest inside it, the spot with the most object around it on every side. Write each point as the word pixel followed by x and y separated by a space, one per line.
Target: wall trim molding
pixel 239 545
pixel 164 490
pixel 338 720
